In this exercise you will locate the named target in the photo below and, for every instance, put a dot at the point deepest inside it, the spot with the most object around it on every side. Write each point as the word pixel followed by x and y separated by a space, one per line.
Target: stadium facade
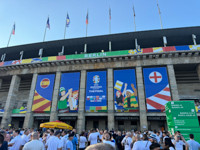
pixel 124 89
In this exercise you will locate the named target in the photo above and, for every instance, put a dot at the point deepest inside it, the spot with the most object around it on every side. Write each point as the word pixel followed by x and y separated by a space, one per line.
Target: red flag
pixel 87 18
pixel 13 30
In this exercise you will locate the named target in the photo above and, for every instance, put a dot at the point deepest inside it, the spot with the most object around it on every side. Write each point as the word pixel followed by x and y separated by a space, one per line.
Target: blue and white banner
pixel 96 92
pixel 156 88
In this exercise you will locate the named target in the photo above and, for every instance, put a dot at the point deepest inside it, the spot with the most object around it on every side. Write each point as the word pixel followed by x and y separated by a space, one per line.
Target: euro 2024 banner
pixel 43 93
pixel 96 92
pixel 69 92
pixel 125 91
pixel 156 88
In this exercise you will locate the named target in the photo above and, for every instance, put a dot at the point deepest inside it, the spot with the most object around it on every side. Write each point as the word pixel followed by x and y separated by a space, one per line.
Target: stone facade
pixel 107 119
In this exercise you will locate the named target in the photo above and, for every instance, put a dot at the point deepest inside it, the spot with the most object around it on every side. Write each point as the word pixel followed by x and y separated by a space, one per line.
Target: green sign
pixel 181 116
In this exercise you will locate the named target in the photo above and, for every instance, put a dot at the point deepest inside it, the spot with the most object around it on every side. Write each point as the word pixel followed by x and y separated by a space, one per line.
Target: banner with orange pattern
pixel 43 93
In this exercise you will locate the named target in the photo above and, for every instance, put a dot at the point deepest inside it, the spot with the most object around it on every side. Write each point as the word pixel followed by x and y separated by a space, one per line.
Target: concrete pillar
pixel 10 101
pixel 1 81
pixel 81 108
pixel 28 121
pixel 198 72
pixel 172 83
pixel 111 117
pixel 141 98
pixel 54 113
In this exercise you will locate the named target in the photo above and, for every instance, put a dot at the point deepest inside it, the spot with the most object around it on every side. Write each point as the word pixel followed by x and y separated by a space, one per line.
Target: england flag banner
pixel 156 88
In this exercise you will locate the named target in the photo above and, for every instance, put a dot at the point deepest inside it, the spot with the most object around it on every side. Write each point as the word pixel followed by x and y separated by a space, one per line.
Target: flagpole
pixel 9 39
pixel 65 27
pixel 10 35
pixel 160 15
pixel 45 31
pixel 134 18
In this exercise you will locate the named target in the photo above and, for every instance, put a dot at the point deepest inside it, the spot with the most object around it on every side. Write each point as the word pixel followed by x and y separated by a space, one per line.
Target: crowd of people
pixel 50 139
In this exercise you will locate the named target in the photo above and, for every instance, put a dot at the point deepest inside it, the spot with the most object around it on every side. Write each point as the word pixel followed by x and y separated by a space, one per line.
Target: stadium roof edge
pixel 120 41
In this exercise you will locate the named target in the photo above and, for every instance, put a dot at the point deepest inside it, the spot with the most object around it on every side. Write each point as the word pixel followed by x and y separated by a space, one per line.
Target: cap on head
pixel 62 89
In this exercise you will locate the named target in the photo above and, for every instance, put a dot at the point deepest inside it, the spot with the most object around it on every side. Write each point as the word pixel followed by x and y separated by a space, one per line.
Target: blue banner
pixel 125 91
pixel 43 93
pixel 96 92
pixel 156 88
pixel 69 92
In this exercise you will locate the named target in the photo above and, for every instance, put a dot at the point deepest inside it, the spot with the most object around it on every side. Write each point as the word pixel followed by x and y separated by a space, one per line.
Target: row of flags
pixel 87 22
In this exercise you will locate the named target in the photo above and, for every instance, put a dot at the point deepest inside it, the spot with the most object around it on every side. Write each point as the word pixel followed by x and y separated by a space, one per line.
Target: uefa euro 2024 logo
pixel 96 79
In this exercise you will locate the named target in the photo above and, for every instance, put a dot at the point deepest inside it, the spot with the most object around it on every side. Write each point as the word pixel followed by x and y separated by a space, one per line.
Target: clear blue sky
pixel 31 15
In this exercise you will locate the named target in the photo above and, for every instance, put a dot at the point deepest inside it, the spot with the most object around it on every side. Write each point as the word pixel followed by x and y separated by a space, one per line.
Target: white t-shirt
pixel 142 145
pixel 54 143
pixel 110 143
pixel 93 138
pixel 127 143
pixel 193 145
pixel 17 141
pixel 64 141
pixel 69 145
pixel 34 145
pixel 82 142
pixel 25 139
pixel 179 145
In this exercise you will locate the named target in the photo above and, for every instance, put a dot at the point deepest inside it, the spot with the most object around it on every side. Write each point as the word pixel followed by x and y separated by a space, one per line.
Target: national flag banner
pixel 43 93
pixel 158 9
pixel 67 20
pixel 133 11
pixel 13 30
pixel 48 24
pixel 118 85
pixel 87 21
pixel 156 88
pixel 110 13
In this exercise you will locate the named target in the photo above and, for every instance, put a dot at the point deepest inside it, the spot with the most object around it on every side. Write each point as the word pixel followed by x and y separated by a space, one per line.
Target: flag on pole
pixel 13 30
pixel 48 24
pixel 67 21
pixel 158 8
pixel 109 13
pixel 133 11
pixel 87 18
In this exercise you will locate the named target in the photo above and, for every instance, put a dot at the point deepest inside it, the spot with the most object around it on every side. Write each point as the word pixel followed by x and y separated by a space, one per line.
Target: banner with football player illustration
pixel 156 88
pixel 69 92
pixel 43 93
pixel 125 91
pixel 96 92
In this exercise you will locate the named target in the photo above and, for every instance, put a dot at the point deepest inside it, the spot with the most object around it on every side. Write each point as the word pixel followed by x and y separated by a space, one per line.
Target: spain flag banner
pixel 43 93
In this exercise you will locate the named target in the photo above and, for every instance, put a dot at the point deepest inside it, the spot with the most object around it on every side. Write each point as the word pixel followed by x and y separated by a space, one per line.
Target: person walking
pixel 193 145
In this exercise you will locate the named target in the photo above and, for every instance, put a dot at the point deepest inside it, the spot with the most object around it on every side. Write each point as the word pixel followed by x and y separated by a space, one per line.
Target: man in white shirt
pixel 179 143
pixel 16 143
pixel 54 143
pixel 193 145
pixel 64 139
pixel 127 140
pixel 93 137
pixel 69 145
pixel 107 140
pixel 141 145
pixel 24 137
pixel 35 144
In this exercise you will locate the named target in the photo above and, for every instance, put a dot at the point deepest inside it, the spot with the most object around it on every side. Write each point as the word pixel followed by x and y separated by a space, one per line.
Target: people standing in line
pixel 16 142
pixel 82 141
pixel 193 145
pixel 34 144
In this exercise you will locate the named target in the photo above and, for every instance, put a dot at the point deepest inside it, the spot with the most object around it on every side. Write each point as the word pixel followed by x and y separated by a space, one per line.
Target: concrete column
pixel 141 98
pixel 111 117
pixel 198 72
pixel 81 108
pixel 54 113
pixel 28 121
pixel 1 81
pixel 172 83
pixel 10 101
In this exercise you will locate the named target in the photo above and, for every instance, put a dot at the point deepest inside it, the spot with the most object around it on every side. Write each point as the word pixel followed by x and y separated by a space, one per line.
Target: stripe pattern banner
pixel 43 94
pixel 156 88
